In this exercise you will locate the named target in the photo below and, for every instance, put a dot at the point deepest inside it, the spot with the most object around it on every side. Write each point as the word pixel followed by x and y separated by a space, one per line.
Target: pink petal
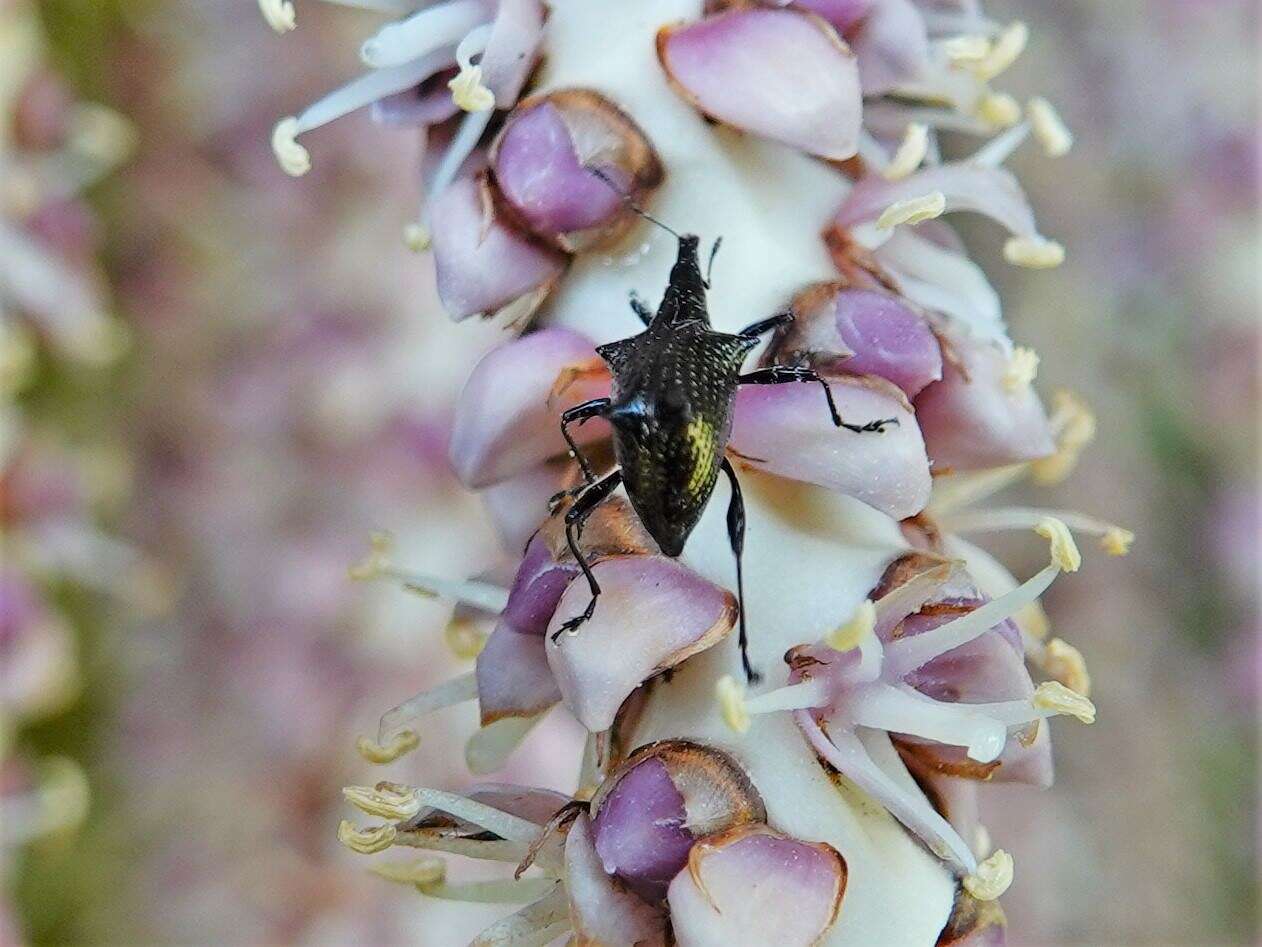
pixel 537 588
pixel 601 907
pixel 512 50
pixel 755 886
pixel 514 679
pixel 992 191
pixel 971 420
pixel 508 417
pixel 482 263
pixel 781 74
pixel 892 46
pixel 843 14
pixel 787 430
pixel 652 614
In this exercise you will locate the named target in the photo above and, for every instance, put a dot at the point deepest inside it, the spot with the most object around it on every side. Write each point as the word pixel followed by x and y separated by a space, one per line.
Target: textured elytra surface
pixel 673 389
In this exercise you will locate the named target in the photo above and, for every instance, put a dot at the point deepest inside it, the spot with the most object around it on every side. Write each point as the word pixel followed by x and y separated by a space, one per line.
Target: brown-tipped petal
pixel 974 923
pixel 782 74
pixel 975 417
pixel 787 430
pixel 508 417
pixel 652 613
pixel 753 885
pixel 602 909
pixel 482 262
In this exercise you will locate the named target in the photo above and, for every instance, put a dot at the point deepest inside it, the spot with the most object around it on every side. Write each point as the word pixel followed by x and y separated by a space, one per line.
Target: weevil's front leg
pixel 763 326
pixel 736 536
pixel 588 500
pixel 582 413
pixel 640 308
pixel 780 374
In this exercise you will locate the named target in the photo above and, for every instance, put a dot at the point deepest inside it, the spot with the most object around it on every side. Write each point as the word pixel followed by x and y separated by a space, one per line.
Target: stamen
pixel 910 154
pixel 377 565
pixel 416 237
pixel 1063 662
pixel 294 159
pixel 965 50
pixel 385 800
pixel 403 742
pixel 801 696
pixel 467 90
pixel 462 145
pixel 420 34
pixel 420 872
pixel 1114 540
pixel 854 632
pixel 999 110
pixel 1055 697
pixel 912 210
pixel 996 151
pixel 503 824
pixel 1036 253
pixel 992 878
pixel 1065 553
pixel 366 841
pixel 447 694
pixel 464 639
pixel 1051 132
pixel 279 15
pixel 1008 45
pixel 1023 368
pixel 489 747
pixel 1075 426
pixel 731 697
pixel 905 710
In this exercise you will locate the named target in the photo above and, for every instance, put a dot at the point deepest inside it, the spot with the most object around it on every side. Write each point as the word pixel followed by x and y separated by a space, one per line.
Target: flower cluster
pixel 835 800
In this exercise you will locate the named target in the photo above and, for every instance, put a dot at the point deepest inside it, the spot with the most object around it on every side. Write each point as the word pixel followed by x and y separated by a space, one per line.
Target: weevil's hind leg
pixel 736 536
pixel 709 267
pixel 641 308
pixel 582 413
pixel 781 374
pixel 587 501
pixel 763 326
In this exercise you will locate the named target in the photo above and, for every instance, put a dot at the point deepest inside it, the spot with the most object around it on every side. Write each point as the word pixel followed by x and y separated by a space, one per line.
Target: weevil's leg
pixel 641 308
pixel 582 413
pixel 588 500
pixel 763 326
pixel 736 536
pixel 780 374
pixel 709 267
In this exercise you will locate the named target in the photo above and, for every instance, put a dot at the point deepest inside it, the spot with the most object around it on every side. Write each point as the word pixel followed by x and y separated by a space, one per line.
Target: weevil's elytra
pixel 670 407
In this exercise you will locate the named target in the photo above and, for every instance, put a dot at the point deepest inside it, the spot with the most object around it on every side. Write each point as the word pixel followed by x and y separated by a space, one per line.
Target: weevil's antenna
pixel 630 202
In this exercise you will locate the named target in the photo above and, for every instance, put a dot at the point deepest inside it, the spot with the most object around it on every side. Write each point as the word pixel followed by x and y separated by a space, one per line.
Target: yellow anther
pixel 464 638
pixel 854 632
pixel 1033 621
pixel 101 134
pixel 385 800
pixel 1036 253
pixel 423 872
pixel 912 210
pixel 294 159
pixel 1048 128
pixel 1117 541
pixel 1008 45
pixel 468 92
pixel 1023 368
pixel 64 794
pixel 416 237
pixel 1065 554
pixel 992 878
pixel 17 357
pixel 405 741
pixel 1075 428
pixel 1056 697
pixel 731 696
pixel 966 50
pixel 380 545
pixel 366 841
pixel 1063 662
pixel 911 152
pixel 999 110
pixel 279 14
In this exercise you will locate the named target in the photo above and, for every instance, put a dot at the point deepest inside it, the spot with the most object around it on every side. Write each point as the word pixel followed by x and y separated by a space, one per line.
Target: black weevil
pixel 670 408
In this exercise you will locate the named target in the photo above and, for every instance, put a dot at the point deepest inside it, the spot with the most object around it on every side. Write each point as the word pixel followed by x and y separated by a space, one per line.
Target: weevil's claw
pixel 879 426
pixel 572 626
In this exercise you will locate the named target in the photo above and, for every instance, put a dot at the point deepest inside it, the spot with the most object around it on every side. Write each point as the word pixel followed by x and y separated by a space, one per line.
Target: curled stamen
pixel 1065 553
pixel 1114 540
pixel 385 800
pixel 913 210
pixel 279 15
pixel 911 152
pixel 467 90
pixel 1063 662
pixel 1023 367
pixel 1036 253
pixel 731 698
pixel 455 691
pixel 294 159
pixel 1055 697
pixel 992 877
pixel 377 565
pixel 1050 131
pixel 403 742
pixel 366 841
